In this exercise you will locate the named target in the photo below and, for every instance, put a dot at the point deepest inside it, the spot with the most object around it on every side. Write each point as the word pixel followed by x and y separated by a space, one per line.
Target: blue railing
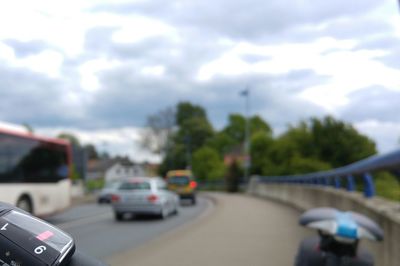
pixel 346 175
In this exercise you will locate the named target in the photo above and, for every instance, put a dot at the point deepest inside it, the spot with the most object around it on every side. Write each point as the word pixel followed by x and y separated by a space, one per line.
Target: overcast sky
pixel 98 68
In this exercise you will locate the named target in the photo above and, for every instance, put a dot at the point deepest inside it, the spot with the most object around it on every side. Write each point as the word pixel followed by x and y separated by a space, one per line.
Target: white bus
pixel 34 172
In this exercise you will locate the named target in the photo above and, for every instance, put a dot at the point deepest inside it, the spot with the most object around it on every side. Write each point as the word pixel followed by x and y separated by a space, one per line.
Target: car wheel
pixel 119 216
pixel 194 201
pixel 25 204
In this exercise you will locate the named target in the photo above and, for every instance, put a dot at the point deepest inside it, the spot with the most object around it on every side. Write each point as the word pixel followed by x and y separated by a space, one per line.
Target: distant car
pixel 144 195
pixel 105 194
pixel 183 183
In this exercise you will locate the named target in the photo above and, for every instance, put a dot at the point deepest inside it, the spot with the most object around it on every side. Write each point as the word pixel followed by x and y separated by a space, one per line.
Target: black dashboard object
pixel 29 241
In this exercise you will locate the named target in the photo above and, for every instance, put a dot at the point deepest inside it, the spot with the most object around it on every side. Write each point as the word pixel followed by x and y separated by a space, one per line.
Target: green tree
pixel 339 143
pixel 260 146
pixel 221 142
pixel 280 154
pixel 291 154
pixel 91 151
pixel 28 127
pixel 186 111
pixel 257 124
pixel 192 132
pixel 318 144
pixel 175 158
pixel 70 137
pixel 156 137
pixel 237 126
pixel 303 165
pixel 207 164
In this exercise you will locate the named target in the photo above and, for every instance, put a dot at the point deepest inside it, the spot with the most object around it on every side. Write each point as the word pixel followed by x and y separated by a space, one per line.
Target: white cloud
pixel 143 48
pixel 6 53
pixel 117 141
pixel 137 28
pixel 59 23
pixel 89 72
pixel 348 70
pixel 387 134
pixel 153 70
pixel 47 62
pixel 280 59
pixel 12 127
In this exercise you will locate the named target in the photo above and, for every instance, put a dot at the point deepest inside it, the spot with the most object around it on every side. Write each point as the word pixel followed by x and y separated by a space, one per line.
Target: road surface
pixel 96 233
pixel 240 230
pixel 229 230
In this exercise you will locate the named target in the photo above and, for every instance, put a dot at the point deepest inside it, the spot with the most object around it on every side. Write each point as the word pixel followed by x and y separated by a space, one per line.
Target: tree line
pixel 185 138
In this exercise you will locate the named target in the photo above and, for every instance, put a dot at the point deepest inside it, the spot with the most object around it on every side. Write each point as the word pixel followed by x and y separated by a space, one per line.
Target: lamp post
pixel 246 93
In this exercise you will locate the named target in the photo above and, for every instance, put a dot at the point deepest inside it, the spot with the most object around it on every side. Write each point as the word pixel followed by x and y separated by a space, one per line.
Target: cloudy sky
pixel 98 68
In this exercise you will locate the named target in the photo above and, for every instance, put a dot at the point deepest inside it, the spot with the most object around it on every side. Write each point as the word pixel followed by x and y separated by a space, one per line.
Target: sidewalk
pixel 240 230
pixel 87 198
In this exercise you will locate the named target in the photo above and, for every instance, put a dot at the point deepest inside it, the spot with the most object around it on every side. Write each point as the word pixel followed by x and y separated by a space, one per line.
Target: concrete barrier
pixel 384 212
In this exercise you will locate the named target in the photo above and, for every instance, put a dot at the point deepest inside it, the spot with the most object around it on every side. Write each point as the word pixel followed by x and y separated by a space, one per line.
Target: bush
pixel 232 177
pixel 94 184
pixel 207 164
pixel 387 186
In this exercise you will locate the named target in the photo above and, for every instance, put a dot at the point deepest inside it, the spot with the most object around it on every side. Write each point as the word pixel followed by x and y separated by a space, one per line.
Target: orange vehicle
pixel 182 182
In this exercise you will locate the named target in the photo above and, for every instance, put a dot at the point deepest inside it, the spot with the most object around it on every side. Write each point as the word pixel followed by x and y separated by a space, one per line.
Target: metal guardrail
pixel 346 174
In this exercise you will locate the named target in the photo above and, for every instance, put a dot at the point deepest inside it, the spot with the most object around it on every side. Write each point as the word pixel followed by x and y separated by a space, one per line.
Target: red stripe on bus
pixel 34 137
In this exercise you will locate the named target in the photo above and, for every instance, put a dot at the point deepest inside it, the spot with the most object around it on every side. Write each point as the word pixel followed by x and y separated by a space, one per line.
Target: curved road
pixel 240 230
pixel 97 233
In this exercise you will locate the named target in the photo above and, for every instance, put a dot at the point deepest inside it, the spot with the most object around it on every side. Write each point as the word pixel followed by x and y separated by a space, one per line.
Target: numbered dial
pixel 45 243
pixel 40 249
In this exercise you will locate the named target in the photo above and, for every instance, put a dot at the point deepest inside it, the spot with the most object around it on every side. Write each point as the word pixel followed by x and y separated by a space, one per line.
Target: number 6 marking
pixel 40 249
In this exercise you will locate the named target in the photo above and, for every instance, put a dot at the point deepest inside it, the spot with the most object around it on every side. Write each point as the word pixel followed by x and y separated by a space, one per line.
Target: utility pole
pixel 188 152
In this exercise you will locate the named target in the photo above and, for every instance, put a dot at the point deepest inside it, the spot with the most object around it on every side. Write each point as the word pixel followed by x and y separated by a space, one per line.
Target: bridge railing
pixel 344 177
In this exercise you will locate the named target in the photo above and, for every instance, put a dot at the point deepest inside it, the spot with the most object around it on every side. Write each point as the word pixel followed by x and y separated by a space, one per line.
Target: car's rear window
pixel 135 186
pixel 178 180
pixel 113 185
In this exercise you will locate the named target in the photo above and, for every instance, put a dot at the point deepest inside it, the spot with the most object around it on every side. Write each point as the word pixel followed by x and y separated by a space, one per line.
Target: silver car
pixel 105 194
pixel 144 195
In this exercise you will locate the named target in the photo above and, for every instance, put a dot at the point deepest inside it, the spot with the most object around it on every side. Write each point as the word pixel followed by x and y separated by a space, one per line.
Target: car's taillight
pixel 193 184
pixel 152 198
pixel 115 198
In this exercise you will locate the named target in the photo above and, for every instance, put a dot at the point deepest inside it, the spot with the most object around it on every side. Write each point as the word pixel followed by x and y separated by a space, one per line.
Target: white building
pixel 114 169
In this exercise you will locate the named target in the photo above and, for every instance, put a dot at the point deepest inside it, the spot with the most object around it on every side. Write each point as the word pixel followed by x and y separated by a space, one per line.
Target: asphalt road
pixel 97 234
pixel 240 230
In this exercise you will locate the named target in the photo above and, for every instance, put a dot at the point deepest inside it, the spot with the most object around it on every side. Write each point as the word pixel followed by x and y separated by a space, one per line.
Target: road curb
pixel 89 198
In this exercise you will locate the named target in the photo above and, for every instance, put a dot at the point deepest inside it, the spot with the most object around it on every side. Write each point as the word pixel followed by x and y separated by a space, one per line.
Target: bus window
pixel 32 161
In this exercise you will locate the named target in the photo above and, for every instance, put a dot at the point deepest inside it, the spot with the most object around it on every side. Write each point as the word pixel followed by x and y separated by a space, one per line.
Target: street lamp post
pixel 246 93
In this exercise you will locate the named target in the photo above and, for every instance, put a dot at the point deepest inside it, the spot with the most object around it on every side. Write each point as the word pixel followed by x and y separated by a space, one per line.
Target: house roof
pixel 104 164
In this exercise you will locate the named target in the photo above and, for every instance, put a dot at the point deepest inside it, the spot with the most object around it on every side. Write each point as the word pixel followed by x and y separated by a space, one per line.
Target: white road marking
pixel 84 221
